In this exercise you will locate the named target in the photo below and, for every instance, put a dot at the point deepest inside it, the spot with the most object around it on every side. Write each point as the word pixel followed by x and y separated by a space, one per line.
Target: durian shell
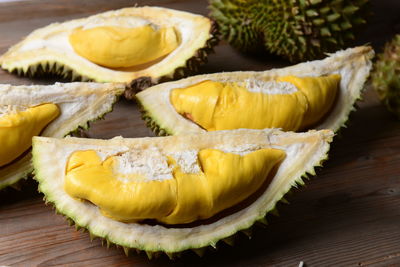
pixel 198 35
pixel 304 151
pixel 385 77
pixel 296 30
pixel 352 64
pixel 79 103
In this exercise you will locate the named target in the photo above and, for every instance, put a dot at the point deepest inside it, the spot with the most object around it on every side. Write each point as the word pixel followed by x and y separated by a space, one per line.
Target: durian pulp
pixel 224 180
pixel 226 106
pixel 115 47
pixel 17 129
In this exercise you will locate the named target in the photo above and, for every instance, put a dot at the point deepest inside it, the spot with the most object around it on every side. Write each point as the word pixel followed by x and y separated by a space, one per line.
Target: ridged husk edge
pixel 150 123
pixel 17 180
pixel 229 238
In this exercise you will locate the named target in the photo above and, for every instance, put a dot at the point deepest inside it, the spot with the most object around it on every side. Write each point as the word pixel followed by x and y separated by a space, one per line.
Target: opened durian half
pixel 170 194
pixel 150 43
pixel 51 110
pixel 317 94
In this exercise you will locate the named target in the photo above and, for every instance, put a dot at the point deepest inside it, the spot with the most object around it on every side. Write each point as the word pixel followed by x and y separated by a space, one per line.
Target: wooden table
pixel 349 215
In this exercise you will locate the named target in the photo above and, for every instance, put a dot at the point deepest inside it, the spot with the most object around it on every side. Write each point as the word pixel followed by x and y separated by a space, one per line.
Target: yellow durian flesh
pixel 228 105
pixel 122 47
pixel 17 130
pixel 225 180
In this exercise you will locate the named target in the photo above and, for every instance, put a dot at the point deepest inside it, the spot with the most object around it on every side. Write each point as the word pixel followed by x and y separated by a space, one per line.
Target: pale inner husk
pixel 304 151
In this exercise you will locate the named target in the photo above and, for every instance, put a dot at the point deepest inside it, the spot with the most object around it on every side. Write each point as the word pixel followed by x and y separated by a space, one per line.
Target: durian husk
pixel 80 103
pixel 352 64
pixel 297 30
pixel 304 151
pixel 386 76
pixel 181 62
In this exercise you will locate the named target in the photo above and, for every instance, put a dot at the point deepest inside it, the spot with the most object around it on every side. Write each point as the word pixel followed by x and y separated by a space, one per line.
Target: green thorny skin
pixel 297 30
pixel 386 76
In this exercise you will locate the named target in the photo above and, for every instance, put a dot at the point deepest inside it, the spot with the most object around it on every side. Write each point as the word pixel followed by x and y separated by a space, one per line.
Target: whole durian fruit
pixel 295 29
pixel 386 76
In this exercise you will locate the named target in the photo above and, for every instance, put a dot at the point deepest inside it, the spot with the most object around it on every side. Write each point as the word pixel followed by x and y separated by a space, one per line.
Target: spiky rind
pixel 238 24
pixel 191 66
pixel 50 68
pixel 174 249
pixel 386 76
pixel 150 122
pixel 297 30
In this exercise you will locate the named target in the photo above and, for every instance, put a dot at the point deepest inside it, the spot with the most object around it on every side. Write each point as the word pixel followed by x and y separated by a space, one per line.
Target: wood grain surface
pixel 348 215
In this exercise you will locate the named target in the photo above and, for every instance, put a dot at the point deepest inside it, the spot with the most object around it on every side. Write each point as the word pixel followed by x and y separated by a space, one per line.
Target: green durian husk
pixel 296 30
pixel 386 76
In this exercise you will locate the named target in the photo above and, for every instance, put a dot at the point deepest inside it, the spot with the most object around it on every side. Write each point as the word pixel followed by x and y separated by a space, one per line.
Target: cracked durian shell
pixel 79 103
pixel 47 50
pixel 352 64
pixel 304 151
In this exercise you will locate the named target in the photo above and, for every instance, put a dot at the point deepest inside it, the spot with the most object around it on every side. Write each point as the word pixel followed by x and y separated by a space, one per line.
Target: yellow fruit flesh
pixel 226 106
pixel 116 47
pixel 225 180
pixel 17 130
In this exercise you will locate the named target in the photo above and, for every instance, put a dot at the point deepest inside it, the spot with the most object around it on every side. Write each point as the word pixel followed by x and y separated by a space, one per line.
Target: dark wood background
pixel 348 215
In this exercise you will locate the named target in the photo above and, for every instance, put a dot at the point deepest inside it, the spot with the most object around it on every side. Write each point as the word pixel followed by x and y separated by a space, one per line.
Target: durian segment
pixel 17 130
pixel 118 47
pixel 223 180
pixel 50 46
pixel 303 152
pixel 300 103
pixel 79 103
pixel 353 65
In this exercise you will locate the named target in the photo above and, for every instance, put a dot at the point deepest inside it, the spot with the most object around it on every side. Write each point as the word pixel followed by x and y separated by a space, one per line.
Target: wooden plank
pixel 346 216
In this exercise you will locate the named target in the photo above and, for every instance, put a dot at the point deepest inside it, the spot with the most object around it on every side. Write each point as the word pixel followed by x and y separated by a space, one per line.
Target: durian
pixel 85 180
pixel 297 30
pixel 386 76
pixel 318 94
pixel 51 110
pixel 139 46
